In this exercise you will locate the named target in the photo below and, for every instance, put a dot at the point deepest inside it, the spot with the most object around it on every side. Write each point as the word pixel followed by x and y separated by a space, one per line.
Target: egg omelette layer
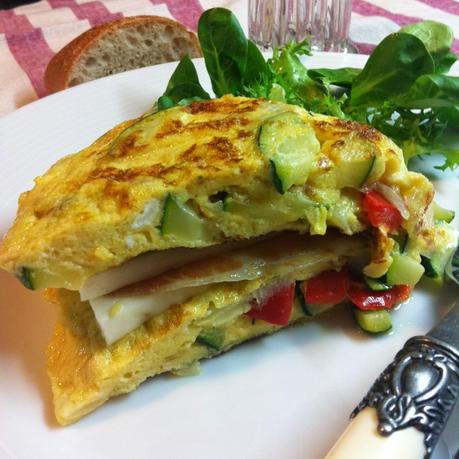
pixel 198 176
pixel 95 209
pixel 85 372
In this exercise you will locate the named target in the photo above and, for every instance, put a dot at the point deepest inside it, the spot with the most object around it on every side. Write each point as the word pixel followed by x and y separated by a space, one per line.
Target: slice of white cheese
pixel 287 255
pixel 149 265
pixel 118 315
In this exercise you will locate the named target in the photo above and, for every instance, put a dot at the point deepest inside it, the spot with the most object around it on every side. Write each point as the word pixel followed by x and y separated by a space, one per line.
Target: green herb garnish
pixel 403 90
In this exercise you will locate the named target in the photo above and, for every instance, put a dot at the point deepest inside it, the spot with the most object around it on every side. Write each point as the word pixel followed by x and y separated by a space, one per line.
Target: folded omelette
pixel 182 233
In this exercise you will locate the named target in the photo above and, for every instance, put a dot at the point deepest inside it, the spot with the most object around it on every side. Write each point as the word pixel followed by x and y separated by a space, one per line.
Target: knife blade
pixel 405 411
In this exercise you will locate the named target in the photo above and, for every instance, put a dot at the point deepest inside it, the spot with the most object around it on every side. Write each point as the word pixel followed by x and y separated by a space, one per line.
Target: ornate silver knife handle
pixel 418 389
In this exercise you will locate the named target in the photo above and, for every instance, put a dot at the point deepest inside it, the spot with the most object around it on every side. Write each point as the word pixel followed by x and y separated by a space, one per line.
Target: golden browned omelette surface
pixel 97 208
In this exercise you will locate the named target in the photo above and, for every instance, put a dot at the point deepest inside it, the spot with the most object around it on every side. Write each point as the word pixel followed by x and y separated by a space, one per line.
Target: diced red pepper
pixel 276 309
pixel 369 300
pixel 328 287
pixel 381 212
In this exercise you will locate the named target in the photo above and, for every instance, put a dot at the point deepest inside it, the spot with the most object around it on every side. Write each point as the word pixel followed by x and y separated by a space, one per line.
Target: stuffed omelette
pixel 180 234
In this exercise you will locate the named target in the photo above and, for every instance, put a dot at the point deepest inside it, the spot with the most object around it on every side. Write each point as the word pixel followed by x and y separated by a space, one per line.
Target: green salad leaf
pixel 437 90
pixel 343 77
pixel 225 50
pixel 391 70
pixel 291 73
pixel 256 68
pixel 183 86
pixel 403 89
pixel 438 39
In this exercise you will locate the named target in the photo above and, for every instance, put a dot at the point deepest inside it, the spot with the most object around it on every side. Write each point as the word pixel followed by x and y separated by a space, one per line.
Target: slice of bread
pixel 114 47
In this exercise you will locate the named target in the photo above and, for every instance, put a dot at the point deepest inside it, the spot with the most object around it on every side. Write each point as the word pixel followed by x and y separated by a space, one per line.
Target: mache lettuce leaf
pixel 403 89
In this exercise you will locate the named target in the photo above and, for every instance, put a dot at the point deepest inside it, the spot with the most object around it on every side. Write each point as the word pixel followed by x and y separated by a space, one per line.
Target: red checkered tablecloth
pixel 31 34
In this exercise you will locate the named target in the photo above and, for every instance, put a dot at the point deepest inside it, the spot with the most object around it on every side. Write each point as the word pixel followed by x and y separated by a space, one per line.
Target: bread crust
pixel 60 67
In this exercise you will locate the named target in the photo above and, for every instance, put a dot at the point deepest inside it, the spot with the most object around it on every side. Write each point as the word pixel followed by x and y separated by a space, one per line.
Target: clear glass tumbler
pixel 325 22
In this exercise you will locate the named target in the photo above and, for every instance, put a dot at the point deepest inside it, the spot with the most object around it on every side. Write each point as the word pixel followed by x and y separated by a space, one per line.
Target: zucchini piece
pixel 377 285
pixel 182 222
pixel 291 206
pixel 353 172
pixel 404 270
pixel 213 338
pixel 402 241
pixel 27 278
pixel 251 210
pixel 316 309
pixel 228 203
pixel 377 170
pixel 373 321
pixel 436 264
pixel 430 268
pixel 291 146
pixel 300 298
pixel 441 214
pixel 307 308
pixel 276 178
pixel 231 205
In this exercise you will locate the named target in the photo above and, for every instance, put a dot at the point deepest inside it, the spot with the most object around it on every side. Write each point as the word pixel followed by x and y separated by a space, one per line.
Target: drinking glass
pixel 324 22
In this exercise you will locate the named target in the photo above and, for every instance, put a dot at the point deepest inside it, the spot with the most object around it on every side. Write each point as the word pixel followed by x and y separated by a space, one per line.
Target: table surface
pixel 31 34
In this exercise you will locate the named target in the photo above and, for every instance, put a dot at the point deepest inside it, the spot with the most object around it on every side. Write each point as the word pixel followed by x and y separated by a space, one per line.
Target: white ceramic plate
pixel 288 395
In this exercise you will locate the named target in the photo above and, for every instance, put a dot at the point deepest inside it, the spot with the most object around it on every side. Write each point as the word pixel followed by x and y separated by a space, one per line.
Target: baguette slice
pixel 117 46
